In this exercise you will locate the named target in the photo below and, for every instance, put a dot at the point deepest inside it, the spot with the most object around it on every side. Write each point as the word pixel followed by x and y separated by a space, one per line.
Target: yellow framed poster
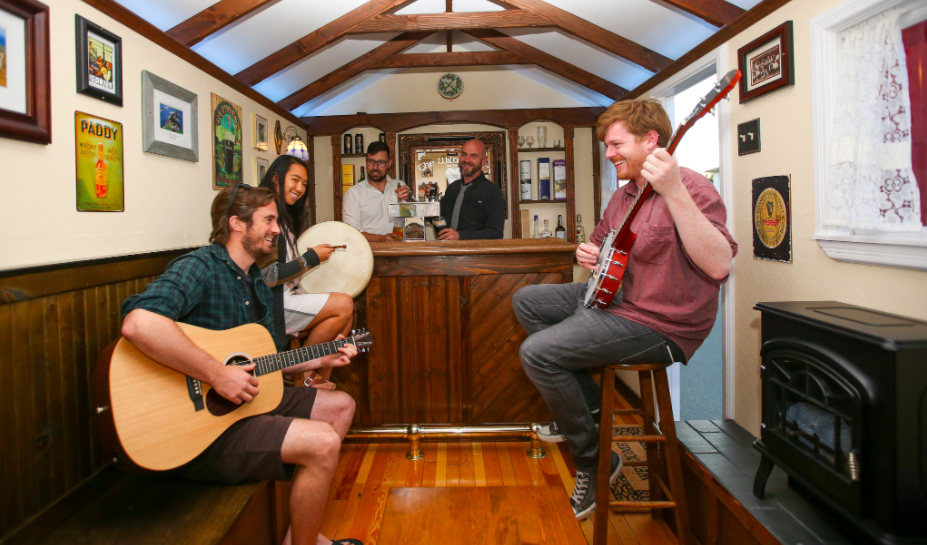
pixel 100 174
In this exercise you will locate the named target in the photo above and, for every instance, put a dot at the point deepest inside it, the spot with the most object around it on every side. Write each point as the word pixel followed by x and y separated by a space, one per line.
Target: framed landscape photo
pixel 260 133
pixel 100 171
pixel 169 119
pixel 226 142
pixel 99 62
pixel 767 63
pixel 25 71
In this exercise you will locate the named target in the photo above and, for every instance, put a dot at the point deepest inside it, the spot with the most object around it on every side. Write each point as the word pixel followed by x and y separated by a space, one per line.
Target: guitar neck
pixel 281 360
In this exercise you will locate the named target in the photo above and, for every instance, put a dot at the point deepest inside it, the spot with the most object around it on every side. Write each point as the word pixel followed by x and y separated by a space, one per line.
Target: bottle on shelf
pixel 580 231
pixel 348 143
pixel 546 232
pixel 100 174
pixel 362 176
pixel 536 233
pixel 358 143
pixel 560 231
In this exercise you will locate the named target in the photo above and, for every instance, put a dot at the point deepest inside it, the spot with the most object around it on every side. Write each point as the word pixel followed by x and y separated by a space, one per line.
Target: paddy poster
pixel 100 173
pixel 226 132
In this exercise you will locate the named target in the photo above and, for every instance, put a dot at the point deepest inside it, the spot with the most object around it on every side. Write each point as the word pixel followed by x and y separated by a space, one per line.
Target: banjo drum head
pixel 348 270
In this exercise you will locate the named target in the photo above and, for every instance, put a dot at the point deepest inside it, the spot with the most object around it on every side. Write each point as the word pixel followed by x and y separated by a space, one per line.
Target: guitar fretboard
pixel 281 360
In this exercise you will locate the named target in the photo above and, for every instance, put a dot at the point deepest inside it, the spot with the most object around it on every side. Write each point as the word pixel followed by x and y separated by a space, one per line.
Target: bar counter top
pixel 472 247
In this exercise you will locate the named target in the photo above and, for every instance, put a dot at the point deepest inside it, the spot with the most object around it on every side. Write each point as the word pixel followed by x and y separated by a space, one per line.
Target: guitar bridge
pixel 195 389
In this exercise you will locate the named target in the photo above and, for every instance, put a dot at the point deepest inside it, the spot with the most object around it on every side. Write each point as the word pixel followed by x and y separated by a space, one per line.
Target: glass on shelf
pixel 530 141
pixel 521 141
pixel 542 136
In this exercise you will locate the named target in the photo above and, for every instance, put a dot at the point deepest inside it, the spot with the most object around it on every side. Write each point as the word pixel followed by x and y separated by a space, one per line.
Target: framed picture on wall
pixel 260 133
pixel 260 169
pixel 169 120
pixel 99 62
pixel 100 172
pixel 25 89
pixel 767 63
pixel 226 143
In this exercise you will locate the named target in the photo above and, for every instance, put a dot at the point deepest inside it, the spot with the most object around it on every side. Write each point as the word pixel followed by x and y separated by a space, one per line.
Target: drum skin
pixel 348 270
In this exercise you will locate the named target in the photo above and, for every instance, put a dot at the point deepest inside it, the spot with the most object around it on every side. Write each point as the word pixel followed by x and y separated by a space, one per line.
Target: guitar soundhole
pixel 215 403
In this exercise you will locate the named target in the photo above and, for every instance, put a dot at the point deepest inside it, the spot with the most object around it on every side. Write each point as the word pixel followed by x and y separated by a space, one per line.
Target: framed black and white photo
pixel 99 62
pixel 767 63
pixel 169 123
pixel 260 133
pixel 25 71
pixel 260 169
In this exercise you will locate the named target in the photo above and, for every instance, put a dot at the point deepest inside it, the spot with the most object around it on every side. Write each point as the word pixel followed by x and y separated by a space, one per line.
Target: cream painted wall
pixel 787 149
pixel 166 200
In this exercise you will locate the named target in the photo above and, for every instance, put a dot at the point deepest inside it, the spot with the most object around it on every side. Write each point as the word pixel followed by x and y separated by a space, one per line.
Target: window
pixel 907 250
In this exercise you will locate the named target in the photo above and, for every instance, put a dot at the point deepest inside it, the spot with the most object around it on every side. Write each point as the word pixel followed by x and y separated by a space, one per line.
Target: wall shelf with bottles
pixel 559 165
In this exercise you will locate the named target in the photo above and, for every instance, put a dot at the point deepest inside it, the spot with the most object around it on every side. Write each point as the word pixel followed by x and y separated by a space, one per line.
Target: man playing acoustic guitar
pixel 219 287
pixel 681 257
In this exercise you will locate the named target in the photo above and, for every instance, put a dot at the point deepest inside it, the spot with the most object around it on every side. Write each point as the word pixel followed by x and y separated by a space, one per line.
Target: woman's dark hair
pixel 292 216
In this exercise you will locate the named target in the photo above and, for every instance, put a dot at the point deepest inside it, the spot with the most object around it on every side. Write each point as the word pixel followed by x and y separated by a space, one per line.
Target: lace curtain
pixel 870 182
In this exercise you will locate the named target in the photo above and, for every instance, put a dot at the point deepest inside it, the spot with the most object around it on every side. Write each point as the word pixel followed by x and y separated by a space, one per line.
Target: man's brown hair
pixel 640 117
pixel 247 200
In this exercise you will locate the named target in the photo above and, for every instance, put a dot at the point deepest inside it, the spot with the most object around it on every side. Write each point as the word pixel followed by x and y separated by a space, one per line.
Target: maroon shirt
pixel 663 289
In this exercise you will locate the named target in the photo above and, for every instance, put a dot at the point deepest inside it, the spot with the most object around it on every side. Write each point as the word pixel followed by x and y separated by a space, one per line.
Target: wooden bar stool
pixel 674 494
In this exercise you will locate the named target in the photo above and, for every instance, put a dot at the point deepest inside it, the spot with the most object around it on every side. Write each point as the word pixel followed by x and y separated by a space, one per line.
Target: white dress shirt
pixel 366 209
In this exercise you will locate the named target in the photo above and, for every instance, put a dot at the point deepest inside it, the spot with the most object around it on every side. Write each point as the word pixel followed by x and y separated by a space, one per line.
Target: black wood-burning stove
pixel 845 413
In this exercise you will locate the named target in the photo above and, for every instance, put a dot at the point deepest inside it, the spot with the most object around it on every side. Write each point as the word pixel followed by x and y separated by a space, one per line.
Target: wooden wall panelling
pixel 391 142
pixel 310 200
pixel 469 265
pixel 49 344
pixel 398 122
pixel 514 182
pixel 596 186
pixel 336 174
pixel 411 383
pixel 571 184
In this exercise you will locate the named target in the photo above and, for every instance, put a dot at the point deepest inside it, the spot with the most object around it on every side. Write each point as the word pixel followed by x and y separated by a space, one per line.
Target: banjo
pixel 605 281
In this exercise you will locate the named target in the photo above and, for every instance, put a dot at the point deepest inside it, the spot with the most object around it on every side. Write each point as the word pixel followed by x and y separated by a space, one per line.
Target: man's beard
pixel 470 170
pixel 254 244
pixel 372 177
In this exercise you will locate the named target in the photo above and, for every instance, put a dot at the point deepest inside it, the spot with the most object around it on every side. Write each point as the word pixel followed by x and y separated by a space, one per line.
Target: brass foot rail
pixel 416 433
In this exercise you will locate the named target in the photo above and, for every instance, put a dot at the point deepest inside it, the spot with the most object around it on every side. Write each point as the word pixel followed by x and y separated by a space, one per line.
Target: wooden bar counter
pixel 445 336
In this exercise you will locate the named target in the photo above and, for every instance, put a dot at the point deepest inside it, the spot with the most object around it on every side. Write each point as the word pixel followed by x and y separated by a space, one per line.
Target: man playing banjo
pixel 669 296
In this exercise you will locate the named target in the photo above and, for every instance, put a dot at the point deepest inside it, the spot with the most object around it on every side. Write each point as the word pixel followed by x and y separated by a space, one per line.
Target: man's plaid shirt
pixel 204 288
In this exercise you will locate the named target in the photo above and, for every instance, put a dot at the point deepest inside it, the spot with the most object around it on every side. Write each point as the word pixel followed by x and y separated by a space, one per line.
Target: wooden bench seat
pixel 161 509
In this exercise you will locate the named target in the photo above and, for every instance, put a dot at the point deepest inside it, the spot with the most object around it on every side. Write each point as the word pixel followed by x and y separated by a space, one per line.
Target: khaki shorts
pixel 250 449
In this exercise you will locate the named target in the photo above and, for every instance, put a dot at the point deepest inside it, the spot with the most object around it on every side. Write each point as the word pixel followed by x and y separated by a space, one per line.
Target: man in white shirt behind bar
pixel 366 205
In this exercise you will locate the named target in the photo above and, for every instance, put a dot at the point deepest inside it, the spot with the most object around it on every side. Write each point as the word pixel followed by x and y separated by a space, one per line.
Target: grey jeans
pixel 564 341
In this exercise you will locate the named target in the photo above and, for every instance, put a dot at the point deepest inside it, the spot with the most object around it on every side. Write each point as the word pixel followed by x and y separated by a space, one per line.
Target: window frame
pixel 905 250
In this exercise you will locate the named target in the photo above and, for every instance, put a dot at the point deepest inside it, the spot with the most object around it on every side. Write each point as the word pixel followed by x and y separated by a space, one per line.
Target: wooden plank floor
pixel 367 472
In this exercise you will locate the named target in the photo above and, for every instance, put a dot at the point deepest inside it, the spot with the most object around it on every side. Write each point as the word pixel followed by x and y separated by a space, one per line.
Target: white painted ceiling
pixel 651 23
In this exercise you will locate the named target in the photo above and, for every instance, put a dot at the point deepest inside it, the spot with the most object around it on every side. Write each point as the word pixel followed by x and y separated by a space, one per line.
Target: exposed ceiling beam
pixel 596 35
pixel 318 39
pixel 742 23
pixel 213 19
pixel 551 63
pixel 351 69
pixel 715 12
pixel 481 58
pixel 120 14
pixel 515 18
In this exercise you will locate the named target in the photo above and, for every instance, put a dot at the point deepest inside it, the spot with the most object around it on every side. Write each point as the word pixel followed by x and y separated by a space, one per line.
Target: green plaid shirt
pixel 204 288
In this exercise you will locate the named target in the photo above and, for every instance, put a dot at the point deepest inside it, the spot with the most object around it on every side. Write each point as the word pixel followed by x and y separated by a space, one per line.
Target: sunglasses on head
pixel 228 209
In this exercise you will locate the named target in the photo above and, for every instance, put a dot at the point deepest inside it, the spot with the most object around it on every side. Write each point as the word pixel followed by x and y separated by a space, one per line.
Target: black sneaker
pixel 583 498
pixel 550 433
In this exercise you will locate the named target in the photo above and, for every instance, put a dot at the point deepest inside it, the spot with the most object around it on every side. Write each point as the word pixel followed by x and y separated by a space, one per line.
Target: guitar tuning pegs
pixel 352 332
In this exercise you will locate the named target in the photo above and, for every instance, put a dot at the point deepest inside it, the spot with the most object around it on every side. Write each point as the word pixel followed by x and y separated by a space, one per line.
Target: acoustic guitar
pixel 605 281
pixel 150 417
